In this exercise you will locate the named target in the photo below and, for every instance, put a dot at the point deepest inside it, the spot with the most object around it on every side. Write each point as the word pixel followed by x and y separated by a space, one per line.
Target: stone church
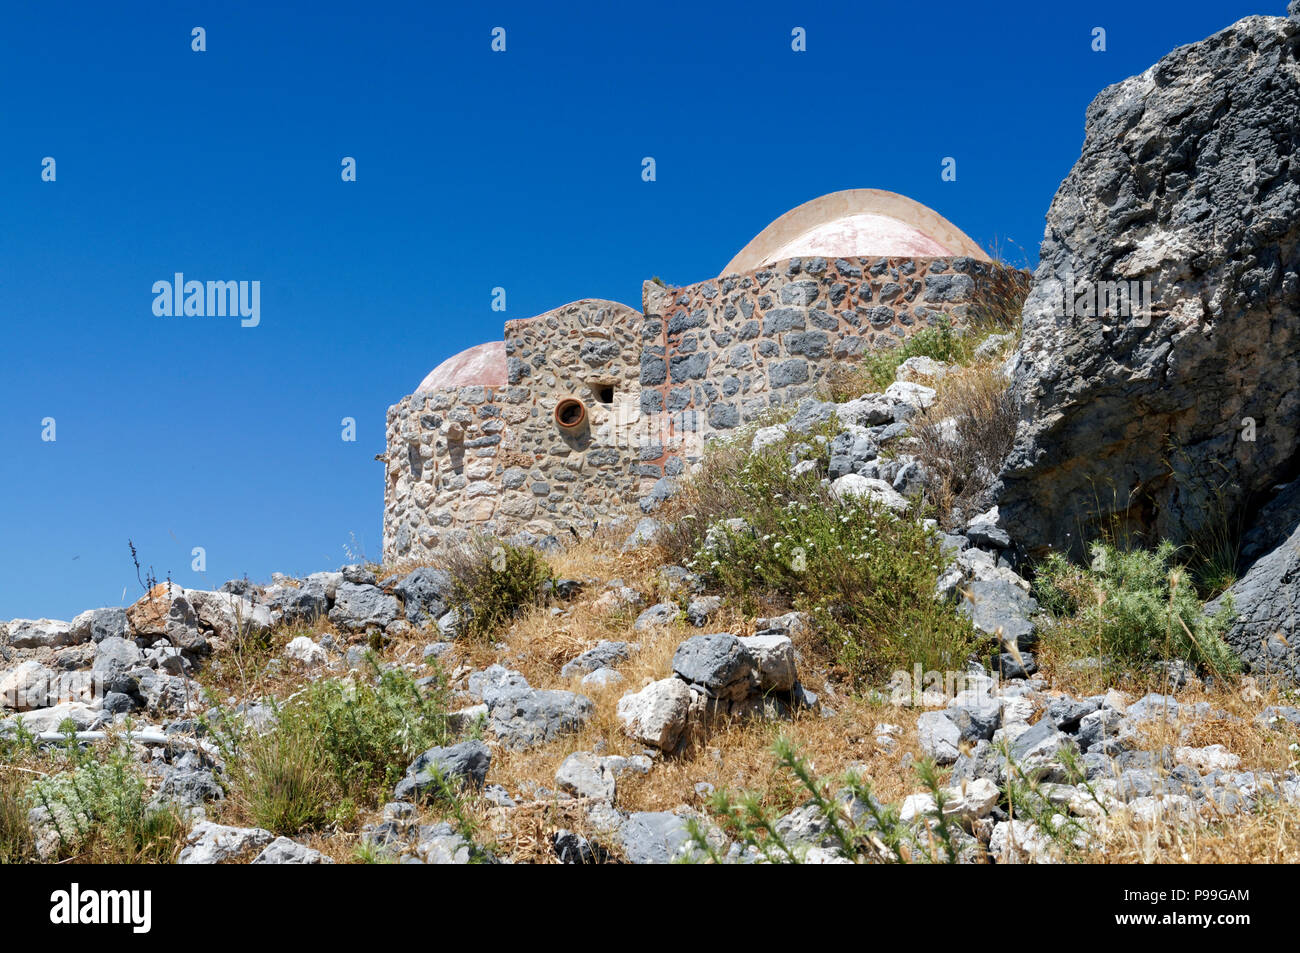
pixel 578 411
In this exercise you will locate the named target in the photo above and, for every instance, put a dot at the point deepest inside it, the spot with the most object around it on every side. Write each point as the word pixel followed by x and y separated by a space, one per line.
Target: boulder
pixel 602 655
pixel 210 843
pixel 1265 627
pixel 285 851
pixel 304 652
pixel 535 716
pixel 426 594
pixel 114 656
pixel 917 369
pixel 908 398
pixel 654 838
pixel 584 774
pixel 95 625
pixel 302 603
pixel 43 633
pixel 496 683
pixel 644 534
pixel 659 614
pixel 26 686
pixel 462 764
pixel 189 786
pixel 37 721
pixel 719 664
pixel 765 437
pixel 657 715
pixel 997 607
pixel 701 609
pixel 166 612
pixel 878 491
pixel 1169 412
pixel 774 659
pixel 939 736
pixel 601 678
pixel 361 606
pixel 443 844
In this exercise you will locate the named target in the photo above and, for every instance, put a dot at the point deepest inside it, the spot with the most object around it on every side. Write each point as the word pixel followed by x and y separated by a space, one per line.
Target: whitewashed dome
pixel 856 223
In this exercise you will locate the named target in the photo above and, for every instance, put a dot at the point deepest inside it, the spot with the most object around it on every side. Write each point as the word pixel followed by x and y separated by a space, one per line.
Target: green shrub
pixel 100 811
pixel 942 342
pixel 865 575
pixel 1134 607
pixel 334 745
pixel 493 582
pixel 283 779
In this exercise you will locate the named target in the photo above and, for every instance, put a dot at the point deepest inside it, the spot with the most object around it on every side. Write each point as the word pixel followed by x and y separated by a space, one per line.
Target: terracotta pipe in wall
pixel 570 415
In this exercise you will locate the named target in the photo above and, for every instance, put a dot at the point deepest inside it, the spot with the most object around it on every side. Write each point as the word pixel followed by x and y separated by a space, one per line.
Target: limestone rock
pixel 774 658
pixel 210 843
pixel 720 664
pixel 584 774
pixel 360 606
pixel 285 851
pixel 42 633
pixel 1265 629
pixel 853 484
pixel 1188 180
pixel 305 653
pixel 465 763
pixel 657 714
pixel 26 686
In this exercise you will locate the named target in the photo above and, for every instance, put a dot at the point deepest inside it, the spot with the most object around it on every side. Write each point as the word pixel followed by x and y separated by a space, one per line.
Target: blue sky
pixel 475 170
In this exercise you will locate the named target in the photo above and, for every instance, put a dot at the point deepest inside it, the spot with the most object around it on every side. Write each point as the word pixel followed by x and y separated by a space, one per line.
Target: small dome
pixel 483 364
pixel 856 223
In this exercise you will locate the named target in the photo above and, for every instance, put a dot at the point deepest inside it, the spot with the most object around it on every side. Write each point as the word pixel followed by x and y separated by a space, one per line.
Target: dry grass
pixel 964 437
pixel 1270 835
pixel 736 756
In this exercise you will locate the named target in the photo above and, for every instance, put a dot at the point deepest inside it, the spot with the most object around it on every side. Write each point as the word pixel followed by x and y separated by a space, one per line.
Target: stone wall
pixel 719 353
pixel 491 458
pixel 704 360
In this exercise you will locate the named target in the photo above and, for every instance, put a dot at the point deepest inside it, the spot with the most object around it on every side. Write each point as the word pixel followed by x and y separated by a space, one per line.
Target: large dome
pixel 856 223
pixel 483 364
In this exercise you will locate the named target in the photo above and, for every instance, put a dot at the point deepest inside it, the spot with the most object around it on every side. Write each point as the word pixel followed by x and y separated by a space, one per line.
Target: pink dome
pixel 862 236
pixel 484 364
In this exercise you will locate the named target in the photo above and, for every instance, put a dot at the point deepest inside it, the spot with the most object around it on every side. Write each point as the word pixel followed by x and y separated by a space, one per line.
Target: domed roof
pixel 482 364
pixel 856 223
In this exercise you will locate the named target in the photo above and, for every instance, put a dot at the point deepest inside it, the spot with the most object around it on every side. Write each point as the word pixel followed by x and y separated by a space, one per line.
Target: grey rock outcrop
pixel 1188 180
pixel 1265 630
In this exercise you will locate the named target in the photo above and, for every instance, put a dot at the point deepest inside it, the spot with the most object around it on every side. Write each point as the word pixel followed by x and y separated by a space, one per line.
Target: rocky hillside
pixel 1018 591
